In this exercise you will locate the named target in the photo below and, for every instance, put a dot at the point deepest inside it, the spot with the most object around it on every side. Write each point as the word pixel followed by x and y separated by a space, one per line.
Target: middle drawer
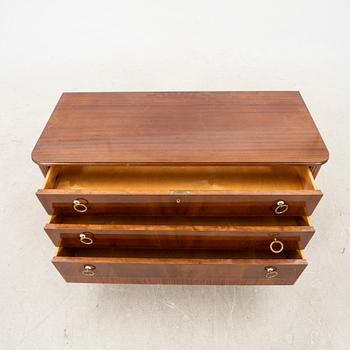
pixel 261 233
pixel 180 190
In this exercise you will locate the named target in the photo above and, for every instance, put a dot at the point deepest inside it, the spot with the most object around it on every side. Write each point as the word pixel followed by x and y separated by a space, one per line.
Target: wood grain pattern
pixel 301 203
pixel 167 202
pixel 181 232
pixel 164 190
pixel 178 267
pixel 181 128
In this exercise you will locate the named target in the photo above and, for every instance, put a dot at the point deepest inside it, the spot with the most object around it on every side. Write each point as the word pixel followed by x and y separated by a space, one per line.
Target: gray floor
pixel 50 47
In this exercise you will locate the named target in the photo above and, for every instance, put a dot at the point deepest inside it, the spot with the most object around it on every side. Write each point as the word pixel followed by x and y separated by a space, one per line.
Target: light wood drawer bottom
pixel 180 190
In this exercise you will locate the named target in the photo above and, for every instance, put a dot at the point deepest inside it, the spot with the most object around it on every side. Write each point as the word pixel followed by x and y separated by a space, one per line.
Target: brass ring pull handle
pixel 80 205
pixel 281 208
pixel 271 272
pixel 276 246
pixel 86 238
pixel 88 270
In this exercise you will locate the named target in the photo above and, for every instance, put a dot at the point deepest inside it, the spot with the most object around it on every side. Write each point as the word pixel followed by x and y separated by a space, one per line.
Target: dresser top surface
pixel 180 128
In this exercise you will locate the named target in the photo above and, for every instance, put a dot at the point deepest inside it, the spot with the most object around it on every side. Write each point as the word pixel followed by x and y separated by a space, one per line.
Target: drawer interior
pixel 179 178
pixel 176 254
pixel 164 222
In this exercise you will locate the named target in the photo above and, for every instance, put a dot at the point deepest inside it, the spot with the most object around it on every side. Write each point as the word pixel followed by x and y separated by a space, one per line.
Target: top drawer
pixel 179 190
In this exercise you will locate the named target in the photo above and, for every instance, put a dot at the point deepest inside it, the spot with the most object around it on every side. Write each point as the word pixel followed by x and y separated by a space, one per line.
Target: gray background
pixel 47 47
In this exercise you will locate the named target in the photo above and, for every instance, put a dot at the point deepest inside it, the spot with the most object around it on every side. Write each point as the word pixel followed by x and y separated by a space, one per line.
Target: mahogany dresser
pixel 180 187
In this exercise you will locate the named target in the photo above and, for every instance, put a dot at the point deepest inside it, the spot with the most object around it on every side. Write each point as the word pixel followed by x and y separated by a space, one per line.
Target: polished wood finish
pixel 178 266
pixel 300 203
pixel 172 190
pixel 180 187
pixel 181 128
pixel 181 232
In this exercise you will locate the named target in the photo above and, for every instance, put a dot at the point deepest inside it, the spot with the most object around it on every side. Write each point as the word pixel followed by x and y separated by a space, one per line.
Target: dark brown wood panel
pixel 301 203
pixel 181 232
pixel 181 128
pixel 180 267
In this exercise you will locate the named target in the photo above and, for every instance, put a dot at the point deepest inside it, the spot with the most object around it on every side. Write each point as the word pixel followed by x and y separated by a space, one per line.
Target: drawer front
pixel 265 238
pixel 295 203
pixel 180 271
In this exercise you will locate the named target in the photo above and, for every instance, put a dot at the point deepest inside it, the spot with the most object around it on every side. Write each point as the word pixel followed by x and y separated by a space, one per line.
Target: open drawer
pixel 275 233
pixel 180 190
pixel 114 265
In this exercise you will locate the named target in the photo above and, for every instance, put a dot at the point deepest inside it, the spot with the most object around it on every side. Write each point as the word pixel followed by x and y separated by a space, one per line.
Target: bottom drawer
pixel 112 265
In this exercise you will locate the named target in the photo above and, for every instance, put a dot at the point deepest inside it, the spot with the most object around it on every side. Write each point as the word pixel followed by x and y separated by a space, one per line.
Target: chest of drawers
pixel 180 187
